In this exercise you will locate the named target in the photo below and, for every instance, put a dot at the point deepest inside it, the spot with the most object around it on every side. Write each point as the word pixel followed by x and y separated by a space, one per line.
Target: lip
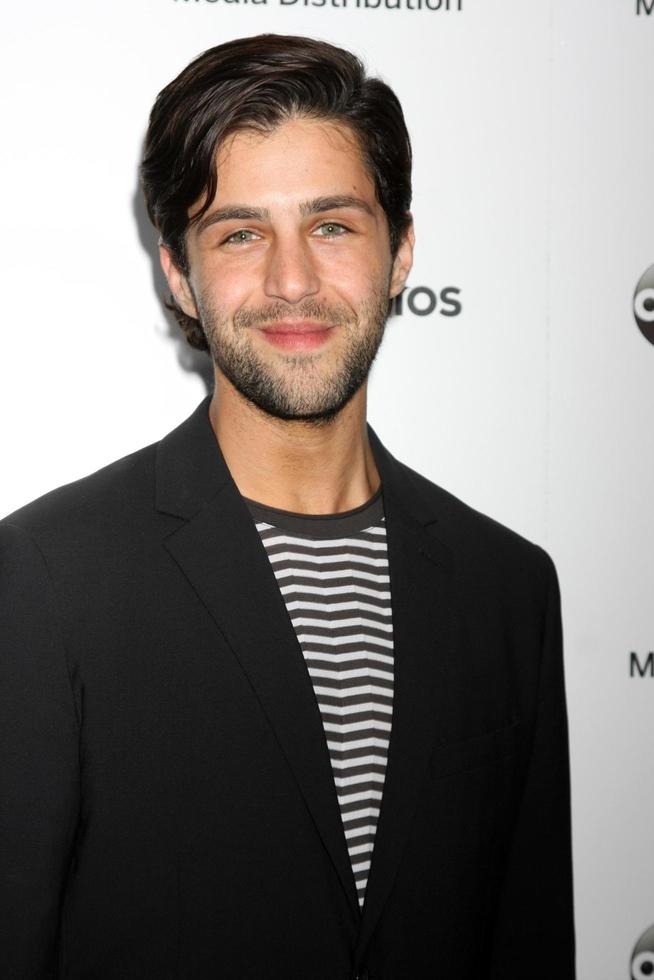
pixel 297 335
pixel 296 326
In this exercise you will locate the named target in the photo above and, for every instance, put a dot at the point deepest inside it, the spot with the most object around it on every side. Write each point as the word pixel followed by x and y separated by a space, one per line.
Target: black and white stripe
pixel 337 593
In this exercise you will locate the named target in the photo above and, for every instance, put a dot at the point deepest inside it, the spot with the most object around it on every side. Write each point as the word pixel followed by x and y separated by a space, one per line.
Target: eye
pixel 239 237
pixel 331 229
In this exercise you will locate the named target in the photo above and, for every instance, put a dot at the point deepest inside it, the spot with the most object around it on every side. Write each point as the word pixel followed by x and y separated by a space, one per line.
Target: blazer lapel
pixel 219 551
pixel 421 577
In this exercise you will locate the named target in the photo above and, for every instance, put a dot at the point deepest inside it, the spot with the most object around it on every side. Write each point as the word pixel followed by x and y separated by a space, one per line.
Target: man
pixel 274 705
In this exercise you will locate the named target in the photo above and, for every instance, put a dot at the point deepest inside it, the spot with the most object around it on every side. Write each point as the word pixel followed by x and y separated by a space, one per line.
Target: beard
pixel 297 387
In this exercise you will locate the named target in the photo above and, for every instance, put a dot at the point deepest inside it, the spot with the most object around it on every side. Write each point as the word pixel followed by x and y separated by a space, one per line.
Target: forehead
pixel 300 158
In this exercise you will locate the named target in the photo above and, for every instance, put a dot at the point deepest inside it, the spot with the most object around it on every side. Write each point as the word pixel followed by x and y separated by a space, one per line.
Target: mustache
pixel 307 310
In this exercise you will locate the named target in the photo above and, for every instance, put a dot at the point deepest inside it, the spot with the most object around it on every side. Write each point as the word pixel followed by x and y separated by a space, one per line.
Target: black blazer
pixel 167 807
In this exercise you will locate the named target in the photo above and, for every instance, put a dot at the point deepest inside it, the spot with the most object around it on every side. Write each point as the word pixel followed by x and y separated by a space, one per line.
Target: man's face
pixel 290 269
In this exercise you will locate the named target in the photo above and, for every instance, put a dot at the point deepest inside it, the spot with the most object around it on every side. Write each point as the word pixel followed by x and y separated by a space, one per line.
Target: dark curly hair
pixel 256 83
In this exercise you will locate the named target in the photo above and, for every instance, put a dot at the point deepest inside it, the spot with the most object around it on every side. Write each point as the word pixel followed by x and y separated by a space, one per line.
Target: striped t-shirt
pixel 333 574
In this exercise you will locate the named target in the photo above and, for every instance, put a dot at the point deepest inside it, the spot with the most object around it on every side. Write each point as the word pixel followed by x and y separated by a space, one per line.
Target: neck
pixel 293 465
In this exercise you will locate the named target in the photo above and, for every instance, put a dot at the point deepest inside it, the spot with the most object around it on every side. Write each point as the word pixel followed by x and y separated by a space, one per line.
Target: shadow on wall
pixel 189 359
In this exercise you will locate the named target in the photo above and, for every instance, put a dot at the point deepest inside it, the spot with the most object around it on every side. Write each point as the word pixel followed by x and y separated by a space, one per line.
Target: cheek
pixel 225 287
pixel 358 288
pixel 354 270
pixel 357 271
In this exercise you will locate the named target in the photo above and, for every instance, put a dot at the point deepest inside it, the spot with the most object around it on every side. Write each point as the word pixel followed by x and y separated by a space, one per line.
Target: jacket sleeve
pixel 534 930
pixel 39 762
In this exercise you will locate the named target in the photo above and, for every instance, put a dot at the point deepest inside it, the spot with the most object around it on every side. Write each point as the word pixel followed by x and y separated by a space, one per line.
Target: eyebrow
pixel 242 212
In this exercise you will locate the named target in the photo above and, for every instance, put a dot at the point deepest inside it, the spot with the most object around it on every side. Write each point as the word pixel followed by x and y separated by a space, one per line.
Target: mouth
pixel 297 335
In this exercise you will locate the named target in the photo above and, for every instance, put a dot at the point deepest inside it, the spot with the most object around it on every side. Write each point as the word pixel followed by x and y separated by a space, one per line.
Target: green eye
pixel 332 229
pixel 242 235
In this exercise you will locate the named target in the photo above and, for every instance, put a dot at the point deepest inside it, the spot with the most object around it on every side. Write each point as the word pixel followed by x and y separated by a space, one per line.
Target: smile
pixel 297 336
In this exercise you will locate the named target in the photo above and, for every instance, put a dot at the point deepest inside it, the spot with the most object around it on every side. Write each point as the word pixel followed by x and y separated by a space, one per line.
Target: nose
pixel 290 274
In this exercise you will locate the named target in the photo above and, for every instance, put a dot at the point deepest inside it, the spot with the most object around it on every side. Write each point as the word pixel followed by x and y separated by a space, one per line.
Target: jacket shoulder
pixel 115 489
pixel 473 534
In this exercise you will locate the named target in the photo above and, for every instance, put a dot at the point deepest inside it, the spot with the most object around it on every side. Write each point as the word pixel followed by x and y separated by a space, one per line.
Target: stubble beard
pixel 296 387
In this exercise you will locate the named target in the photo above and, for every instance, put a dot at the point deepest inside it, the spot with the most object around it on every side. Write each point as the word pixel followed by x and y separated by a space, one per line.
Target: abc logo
pixel 644 304
pixel 642 958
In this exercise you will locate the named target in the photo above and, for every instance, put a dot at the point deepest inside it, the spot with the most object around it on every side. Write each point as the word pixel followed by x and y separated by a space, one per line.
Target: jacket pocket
pixel 487 749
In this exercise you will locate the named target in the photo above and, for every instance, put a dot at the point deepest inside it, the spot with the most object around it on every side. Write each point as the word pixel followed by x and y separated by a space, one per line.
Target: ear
pixel 177 281
pixel 402 262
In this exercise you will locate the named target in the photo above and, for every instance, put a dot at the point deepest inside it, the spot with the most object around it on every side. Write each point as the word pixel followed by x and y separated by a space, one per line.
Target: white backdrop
pixel 534 146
